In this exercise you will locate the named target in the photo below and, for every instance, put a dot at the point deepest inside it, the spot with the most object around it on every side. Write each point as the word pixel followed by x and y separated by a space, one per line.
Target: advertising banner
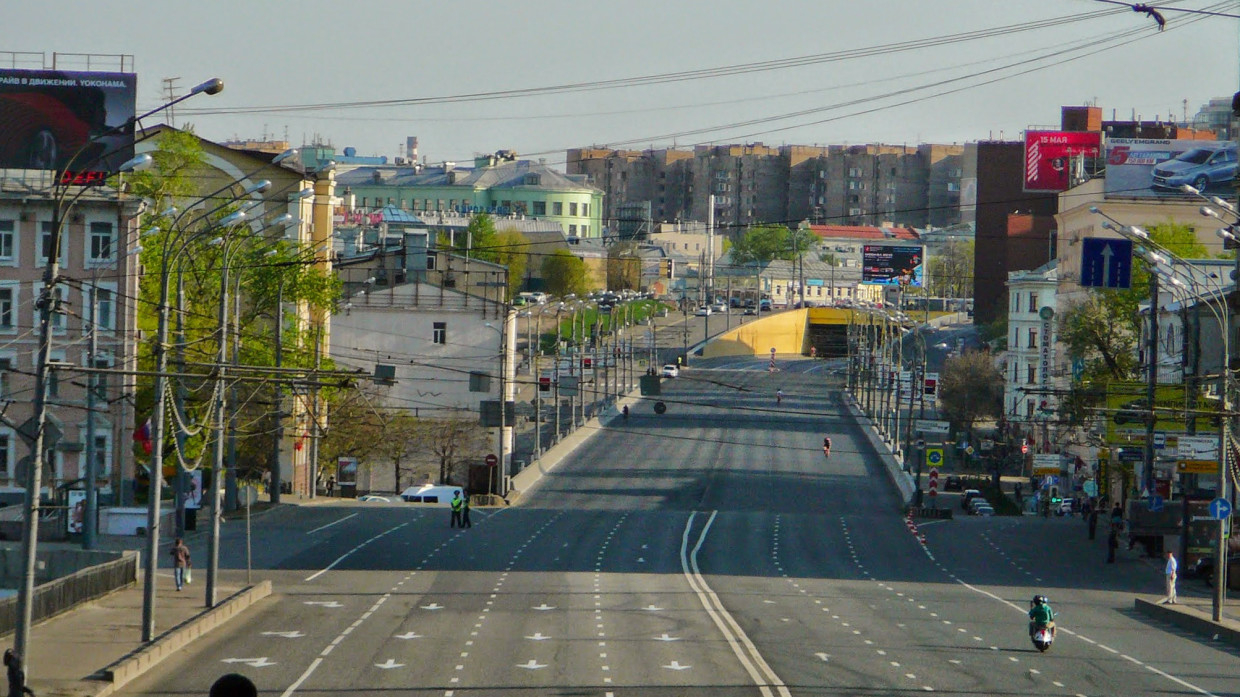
pixel 1152 168
pixel 50 117
pixel 892 265
pixel 1049 156
pixel 1127 407
pixel 193 497
pixel 77 511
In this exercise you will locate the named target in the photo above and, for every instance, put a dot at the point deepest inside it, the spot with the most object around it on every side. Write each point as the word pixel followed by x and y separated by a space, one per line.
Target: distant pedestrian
pixel 457 504
pixel 465 512
pixel 1018 492
pixel 1092 519
pixel 1117 518
pixel 1171 573
pixel 233 685
pixel 17 674
pixel 331 485
pixel 180 562
pixel 1112 545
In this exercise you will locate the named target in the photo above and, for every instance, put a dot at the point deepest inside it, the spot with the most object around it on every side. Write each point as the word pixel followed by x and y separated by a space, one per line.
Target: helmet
pixel 1039 600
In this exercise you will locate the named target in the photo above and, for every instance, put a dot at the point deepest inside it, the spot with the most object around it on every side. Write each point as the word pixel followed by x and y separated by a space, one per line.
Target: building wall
pixel 1028 293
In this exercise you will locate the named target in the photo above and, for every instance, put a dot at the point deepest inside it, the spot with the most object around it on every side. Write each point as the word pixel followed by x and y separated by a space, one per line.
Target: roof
pixel 863 232
pixel 505 175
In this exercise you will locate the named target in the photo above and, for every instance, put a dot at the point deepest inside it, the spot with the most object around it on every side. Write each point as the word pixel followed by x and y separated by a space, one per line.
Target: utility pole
pixel 178 404
pixel 315 432
pixel 230 472
pixel 710 249
pixel 277 440
pixel 90 521
pixel 1151 389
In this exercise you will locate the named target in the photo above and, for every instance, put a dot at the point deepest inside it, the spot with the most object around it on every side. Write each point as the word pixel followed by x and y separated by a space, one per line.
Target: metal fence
pixel 65 593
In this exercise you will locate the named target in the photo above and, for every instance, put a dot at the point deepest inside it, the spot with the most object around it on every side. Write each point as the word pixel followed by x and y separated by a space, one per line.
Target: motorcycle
pixel 1042 637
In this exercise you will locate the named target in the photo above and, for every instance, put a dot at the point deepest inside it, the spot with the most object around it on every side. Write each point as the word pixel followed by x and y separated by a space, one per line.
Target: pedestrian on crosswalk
pixel 457 504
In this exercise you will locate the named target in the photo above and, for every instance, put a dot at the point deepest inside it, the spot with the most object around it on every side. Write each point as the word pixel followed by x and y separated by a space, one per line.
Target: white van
pixel 430 494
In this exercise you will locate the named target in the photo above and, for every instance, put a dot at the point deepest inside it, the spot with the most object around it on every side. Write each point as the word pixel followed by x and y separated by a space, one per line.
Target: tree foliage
pixel 624 267
pixel 765 243
pixel 512 251
pixel 951 270
pixel 971 389
pixel 564 273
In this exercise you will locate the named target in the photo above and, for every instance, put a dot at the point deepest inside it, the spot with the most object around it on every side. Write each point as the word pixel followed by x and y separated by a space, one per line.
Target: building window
pixel 102 243
pixel 585 230
pixel 6 454
pixel 102 454
pixel 99 381
pixel 45 242
pixel 572 208
pixel 585 210
pixel 557 208
pixel 439 334
pixel 1029 409
pixel 8 241
pixel 1033 338
pixel 59 304
pixel 6 381
pixel 104 312
pixel 1033 302
pixel 53 376
pixel 540 208
pixel 1015 338
pixel 8 307
pixel 1032 374
pixel 572 230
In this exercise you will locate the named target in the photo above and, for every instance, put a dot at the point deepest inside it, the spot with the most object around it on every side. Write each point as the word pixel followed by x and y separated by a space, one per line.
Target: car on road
pixel 371 498
pixel 765 306
pixel 942 346
pixel 671 371
pixel 953 483
pixel 703 311
pixel 984 509
pixel 978 502
pixel 750 312
pixel 969 495
pixel 719 307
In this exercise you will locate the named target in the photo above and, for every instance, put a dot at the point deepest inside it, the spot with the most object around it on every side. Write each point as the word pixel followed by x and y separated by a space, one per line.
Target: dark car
pixel 953 483
pixel 1203 569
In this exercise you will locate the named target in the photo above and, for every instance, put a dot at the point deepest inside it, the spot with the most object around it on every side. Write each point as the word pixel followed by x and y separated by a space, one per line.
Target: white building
pixel 1028 394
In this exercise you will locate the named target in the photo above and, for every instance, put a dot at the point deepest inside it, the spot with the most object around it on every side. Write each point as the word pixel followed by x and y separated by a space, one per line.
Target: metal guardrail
pixel 63 594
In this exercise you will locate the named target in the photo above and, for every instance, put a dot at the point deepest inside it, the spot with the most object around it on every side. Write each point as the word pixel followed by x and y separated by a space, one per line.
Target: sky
pixel 784 72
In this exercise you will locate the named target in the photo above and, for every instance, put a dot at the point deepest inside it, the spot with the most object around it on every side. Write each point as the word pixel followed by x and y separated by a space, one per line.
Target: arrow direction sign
pixel 652 608
pixel 432 606
pixel 408 635
pixel 543 608
pixel 1220 509
pixel 1106 262
pixel 823 656
pixel 252 662
pixel 641 560
pixel 665 637
pixel 532 665
pixel 538 636
pixel 324 603
pixel 676 666
pixel 389 664
pixel 286 635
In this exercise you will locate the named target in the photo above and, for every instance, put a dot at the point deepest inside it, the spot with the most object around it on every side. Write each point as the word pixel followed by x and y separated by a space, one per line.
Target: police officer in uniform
pixel 458 506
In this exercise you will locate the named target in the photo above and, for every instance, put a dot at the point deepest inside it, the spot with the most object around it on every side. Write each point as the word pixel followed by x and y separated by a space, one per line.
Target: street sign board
pixel 1197 467
pixel 934 427
pixel 1220 509
pixel 1106 263
pixel 491 460
pixel 934 456
pixel 1156 503
pixel 1197 448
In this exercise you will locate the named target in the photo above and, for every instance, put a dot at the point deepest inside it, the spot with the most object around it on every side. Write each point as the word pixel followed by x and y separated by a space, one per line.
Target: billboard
pixel 49 116
pixel 892 265
pixel 1049 154
pixel 1154 168
pixel 1127 406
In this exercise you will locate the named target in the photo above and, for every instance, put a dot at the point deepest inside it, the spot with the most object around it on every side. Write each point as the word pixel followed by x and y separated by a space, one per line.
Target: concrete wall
pixel 785 332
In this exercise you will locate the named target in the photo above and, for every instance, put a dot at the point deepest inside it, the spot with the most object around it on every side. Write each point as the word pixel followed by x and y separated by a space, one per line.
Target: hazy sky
pixel 941 88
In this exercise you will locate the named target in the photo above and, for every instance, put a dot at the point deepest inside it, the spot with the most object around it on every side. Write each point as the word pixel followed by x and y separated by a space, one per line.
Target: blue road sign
pixel 1156 503
pixel 1220 509
pixel 1106 263
pixel 934 456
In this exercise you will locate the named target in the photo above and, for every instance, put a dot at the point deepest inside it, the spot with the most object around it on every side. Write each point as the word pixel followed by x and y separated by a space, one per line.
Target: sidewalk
pixel 1195 613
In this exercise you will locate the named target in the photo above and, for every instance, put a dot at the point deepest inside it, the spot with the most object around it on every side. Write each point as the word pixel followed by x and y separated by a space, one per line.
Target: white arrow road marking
pixel 641 560
pixel 252 662
pixel 538 636
pixel 665 637
pixel 408 635
pixel 543 607
pixel 389 664
pixel 823 656
pixel 324 603
pixel 676 666
pixel 286 635
pixel 432 606
pixel 532 665
pixel 652 608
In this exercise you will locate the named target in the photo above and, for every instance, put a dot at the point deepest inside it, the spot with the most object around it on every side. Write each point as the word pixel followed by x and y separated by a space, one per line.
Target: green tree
pixel 564 273
pixel 951 270
pixel 971 389
pixel 511 250
pixel 624 267
pixel 764 243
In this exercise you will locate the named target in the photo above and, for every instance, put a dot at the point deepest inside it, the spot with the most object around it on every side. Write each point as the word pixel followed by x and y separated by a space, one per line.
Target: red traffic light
pixel 544 384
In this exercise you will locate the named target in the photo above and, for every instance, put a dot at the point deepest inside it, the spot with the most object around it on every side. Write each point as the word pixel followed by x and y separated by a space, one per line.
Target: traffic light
pixel 544 384
pixel 1055 497
pixel 667 268
pixel 587 363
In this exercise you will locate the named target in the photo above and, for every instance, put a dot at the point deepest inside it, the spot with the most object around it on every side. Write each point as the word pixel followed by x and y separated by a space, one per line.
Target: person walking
pixel 457 504
pixel 1171 572
pixel 180 562
pixel 465 512
pixel 1092 519
pixel 17 674
pixel 331 485
pixel 1117 518
pixel 1112 545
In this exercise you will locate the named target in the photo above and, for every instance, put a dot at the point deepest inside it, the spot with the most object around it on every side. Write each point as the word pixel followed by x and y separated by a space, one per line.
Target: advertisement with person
pixel 77 511
pixel 1156 168
pixel 1050 157
pixel 193 497
pixel 892 265
pixel 49 117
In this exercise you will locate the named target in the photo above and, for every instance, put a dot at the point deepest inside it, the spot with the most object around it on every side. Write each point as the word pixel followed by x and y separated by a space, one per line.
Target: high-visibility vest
pixel 457 503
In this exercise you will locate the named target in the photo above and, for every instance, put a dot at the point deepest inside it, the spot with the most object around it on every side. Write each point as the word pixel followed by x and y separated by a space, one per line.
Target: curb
pixel 1190 619
pixel 135 664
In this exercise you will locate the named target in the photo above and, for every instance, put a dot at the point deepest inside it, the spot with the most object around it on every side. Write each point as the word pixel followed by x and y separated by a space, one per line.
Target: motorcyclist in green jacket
pixel 1041 615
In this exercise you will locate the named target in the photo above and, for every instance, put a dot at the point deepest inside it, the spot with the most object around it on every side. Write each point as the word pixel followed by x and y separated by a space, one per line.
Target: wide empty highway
pixel 711 551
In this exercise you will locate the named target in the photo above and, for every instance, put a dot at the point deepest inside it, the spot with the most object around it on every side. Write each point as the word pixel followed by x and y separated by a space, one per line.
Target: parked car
pixel 374 499
pixel 750 312
pixel 953 483
pixel 703 311
pixel 671 371
pixel 969 495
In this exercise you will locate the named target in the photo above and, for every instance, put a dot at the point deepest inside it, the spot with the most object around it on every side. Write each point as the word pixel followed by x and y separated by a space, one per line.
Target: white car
pixel 983 510
pixel 719 308
pixel 671 371
pixel 374 499
pixel 703 311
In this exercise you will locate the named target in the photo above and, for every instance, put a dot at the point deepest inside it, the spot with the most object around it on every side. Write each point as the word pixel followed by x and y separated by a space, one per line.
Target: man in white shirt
pixel 1172 567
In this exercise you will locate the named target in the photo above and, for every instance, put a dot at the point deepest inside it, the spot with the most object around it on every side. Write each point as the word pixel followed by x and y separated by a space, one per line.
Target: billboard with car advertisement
pixel 1155 168
pixel 1049 156
pixel 892 265
pixel 50 117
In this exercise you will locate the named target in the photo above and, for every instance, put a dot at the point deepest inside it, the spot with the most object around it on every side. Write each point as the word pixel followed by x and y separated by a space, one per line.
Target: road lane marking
pixel 308 672
pixel 334 522
pixel 346 555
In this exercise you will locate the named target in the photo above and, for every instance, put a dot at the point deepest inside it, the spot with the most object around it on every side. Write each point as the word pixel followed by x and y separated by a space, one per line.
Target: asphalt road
pixel 708 551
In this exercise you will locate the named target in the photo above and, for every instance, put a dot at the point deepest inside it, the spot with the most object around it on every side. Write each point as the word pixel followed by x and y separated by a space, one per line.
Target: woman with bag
pixel 180 563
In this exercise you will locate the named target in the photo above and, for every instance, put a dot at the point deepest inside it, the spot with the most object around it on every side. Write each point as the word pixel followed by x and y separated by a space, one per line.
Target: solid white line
pixel 324 527
pixel 344 556
pixel 293 688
